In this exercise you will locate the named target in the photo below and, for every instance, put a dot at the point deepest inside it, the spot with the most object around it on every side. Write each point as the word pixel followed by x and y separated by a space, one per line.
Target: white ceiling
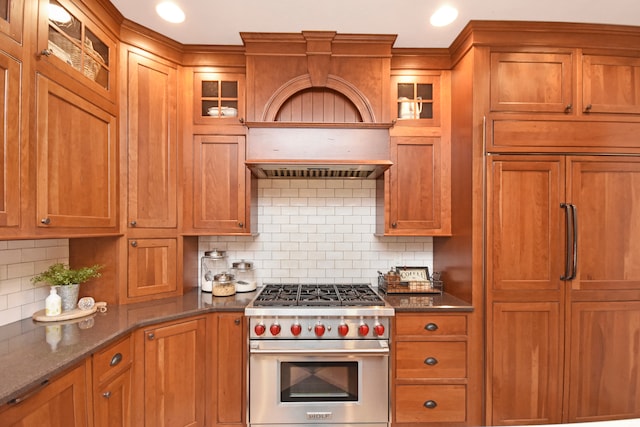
pixel 219 22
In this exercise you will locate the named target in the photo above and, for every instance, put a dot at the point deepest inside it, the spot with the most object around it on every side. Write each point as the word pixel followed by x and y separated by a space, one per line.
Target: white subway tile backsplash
pixel 316 231
pixel 20 260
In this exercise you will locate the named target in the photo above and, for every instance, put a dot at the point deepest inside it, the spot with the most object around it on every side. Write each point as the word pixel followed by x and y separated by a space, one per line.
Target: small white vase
pixel 69 295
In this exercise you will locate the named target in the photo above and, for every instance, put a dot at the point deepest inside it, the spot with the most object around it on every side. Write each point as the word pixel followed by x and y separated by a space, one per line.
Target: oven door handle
pixel 254 348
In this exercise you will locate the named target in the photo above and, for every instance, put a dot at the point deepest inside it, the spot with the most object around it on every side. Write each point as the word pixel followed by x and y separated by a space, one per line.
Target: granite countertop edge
pixel 33 352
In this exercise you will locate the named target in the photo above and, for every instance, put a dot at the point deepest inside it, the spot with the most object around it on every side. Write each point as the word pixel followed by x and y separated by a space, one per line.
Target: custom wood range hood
pixel 319 104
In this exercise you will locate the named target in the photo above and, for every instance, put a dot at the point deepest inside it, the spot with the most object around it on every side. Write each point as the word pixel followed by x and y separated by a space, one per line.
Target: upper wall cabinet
pixel 536 82
pixel 70 41
pixel 611 84
pixel 152 135
pixel 11 18
pixel 416 100
pixel 76 168
pixel 10 87
pixel 219 98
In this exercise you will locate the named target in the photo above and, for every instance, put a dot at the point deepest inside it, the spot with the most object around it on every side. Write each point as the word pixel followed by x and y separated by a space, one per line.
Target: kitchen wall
pixel 20 260
pixel 316 231
pixel 311 231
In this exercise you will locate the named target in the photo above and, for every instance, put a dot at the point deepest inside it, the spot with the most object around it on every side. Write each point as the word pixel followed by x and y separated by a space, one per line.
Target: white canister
pixel 245 277
pixel 213 262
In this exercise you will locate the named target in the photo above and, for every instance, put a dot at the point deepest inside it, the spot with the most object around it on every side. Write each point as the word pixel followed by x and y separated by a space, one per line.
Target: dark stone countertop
pixel 31 352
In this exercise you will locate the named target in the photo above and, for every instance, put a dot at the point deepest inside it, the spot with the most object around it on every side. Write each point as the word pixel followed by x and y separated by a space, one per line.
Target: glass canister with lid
pixel 245 276
pixel 224 284
pixel 213 262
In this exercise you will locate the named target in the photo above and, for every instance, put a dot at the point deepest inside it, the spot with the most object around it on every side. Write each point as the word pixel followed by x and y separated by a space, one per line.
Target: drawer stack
pixel 429 369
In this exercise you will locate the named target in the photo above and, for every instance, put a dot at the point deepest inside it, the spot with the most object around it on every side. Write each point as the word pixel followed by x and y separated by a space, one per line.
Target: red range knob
pixel 363 329
pixel 296 329
pixel 275 329
pixel 343 329
pixel 378 329
pixel 260 329
pixel 319 329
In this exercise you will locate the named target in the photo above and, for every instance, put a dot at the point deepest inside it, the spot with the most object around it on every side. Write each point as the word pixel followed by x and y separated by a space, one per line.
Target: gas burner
pixel 325 295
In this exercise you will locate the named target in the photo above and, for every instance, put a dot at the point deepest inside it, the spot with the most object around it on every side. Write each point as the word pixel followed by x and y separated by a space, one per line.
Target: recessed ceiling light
pixel 444 16
pixel 58 14
pixel 170 12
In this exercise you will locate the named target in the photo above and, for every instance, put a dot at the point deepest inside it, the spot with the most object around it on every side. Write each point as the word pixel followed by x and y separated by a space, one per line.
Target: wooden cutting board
pixel 40 315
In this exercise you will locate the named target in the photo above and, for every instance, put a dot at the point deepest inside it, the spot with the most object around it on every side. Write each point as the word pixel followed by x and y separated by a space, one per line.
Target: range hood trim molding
pixel 319 125
pixel 366 169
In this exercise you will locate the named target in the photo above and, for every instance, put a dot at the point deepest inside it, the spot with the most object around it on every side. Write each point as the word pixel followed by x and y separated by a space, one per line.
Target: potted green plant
pixel 68 281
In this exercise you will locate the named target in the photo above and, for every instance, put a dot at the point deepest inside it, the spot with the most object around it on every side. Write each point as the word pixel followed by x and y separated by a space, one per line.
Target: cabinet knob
pixel 588 108
pixel 46 221
pixel 151 336
pixel 117 358
pixel 431 327
pixel 568 108
pixel 431 361
pixel 106 394
pixel 430 404
pixel 237 321
pixel 133 223
pixel 394 225
pixel 46 52
pixel 241 224
pixel 134 244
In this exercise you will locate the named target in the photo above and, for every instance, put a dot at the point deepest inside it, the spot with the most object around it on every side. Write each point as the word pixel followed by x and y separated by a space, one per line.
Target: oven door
pixel 294 382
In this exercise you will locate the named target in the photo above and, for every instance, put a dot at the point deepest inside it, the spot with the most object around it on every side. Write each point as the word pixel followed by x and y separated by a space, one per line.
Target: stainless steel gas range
pixel 319 355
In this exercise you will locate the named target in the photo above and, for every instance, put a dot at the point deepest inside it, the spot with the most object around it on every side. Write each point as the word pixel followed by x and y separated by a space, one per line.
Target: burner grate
pixel 313 295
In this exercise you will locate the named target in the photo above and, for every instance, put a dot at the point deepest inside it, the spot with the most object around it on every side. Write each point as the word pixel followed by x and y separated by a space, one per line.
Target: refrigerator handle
pixel 568 241
pixel 574 261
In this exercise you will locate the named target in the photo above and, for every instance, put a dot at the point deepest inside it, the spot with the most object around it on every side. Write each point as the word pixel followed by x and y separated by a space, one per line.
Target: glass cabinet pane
pixel 415 101
pixel 73 43
pixel 219 98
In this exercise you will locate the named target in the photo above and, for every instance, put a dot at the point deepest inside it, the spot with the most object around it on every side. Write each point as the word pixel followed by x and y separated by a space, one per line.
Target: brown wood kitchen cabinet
pixel 222 187
pixel 227 386
pixel 429 369
pixel 12 19
pixel 152 136
pixel 416 190
pixel 549 311
pixel 152 270
pixel 62 402
pixel 10 140
pixel 609 84
pixel 174 371
pixel 112 383
pixel 76 162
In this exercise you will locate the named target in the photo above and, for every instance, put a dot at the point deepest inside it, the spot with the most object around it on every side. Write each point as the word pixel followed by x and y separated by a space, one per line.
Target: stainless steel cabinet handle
pixel 106 394
pixel 134 244
pixel 394 225
pixel 240 224
pixel 568 108
pixel 568 239
pixel 588 108
pixel 430 404
pixel 46 52
pixel 431 361
pixel 431 327
pixel 46 221
pixel 237 321
pixel 574 261
pixel 133 223
pixel 151 336
pixel 117 358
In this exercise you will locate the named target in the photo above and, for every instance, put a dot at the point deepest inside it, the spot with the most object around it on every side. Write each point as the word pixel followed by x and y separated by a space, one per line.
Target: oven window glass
pixel 319 381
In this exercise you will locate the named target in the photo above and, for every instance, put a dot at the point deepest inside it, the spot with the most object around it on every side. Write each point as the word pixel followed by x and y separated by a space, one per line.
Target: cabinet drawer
pixel 430 325
pixel 430 403
pixel 111 360
pixel 431 359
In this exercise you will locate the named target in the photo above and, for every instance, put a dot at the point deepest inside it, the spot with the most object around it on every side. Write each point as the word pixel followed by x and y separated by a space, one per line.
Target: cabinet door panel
pixel 174 374
pixel 10 139
pixel 525 226
pixel 112 402
pixel 419 203
pixel 230 367
pixel 219 183
pixel 604 378
pixel 76 160
pixel 525 352
pixel 152 267
pixel 606 193
pixel 11 19
pixel 152 133
pixel 611 84
pixel 448 401
pixel 531 81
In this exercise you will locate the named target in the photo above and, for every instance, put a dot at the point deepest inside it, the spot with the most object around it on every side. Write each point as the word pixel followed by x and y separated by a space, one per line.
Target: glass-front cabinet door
pixel 72 42
pixel 416 99
pixel 11 18
pixel 218 97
